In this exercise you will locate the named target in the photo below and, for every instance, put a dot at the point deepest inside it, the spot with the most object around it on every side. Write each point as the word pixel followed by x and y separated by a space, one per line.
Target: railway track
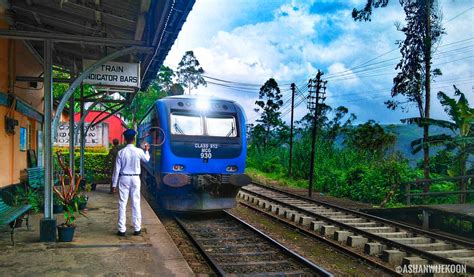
pixel 231 246
pixel 392 242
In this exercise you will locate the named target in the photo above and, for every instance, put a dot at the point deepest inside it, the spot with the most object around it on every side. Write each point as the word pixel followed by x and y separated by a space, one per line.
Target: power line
pixel 459 14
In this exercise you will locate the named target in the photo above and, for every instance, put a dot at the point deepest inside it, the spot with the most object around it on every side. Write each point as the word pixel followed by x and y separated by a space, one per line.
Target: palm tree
pixel 461 141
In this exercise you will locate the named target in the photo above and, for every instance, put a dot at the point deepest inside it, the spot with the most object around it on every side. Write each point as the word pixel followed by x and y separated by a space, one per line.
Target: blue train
pixel 198 151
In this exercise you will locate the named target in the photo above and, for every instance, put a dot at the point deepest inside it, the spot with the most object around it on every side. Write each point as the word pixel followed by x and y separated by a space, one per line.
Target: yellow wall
pixel 12 160
pixel 15 60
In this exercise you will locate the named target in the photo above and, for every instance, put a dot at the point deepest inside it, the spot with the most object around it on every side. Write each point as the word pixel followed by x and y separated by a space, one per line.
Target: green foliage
pixel 21 196
pixel 59 89
pixel 461 142
pixel 96 165
pixel 87 149
pixel 271 129
pixel 371 137
pixel 441 162
pixel 159 88
pixel 69 214
pixel 342 172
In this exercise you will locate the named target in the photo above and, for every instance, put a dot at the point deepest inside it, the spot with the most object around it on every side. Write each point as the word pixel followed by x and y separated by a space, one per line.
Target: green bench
pixel 10 215
pixel 35 177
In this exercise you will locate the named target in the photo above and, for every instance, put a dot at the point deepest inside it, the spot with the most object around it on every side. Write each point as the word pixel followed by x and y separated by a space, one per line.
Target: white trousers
pixel 129 186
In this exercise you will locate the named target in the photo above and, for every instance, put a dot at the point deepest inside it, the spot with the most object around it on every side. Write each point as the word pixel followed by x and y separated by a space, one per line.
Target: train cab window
pixel 185 124
pixel 223 126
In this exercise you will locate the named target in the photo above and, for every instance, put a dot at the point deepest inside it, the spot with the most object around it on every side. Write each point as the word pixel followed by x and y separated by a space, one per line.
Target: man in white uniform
pixel 127 175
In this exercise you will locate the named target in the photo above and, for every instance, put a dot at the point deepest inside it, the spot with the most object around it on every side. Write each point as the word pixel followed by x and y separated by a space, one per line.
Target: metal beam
pixel 105 118
pixel 103 101
pixel 40 80
pixel 79 10
pixel 65 38
pixel 101 113
pixel 35 53
pixel 40 16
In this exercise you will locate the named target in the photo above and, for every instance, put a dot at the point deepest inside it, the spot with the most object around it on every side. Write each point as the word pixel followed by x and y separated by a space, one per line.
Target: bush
pixel 89 149
pixel 343 172
pixel 97 166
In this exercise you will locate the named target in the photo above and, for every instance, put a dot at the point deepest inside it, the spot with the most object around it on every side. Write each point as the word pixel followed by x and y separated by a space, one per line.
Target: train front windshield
pixel 196 125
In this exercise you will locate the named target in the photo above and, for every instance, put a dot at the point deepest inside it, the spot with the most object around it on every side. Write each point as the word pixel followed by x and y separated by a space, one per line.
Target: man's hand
pixel 114 190
pixel 147 147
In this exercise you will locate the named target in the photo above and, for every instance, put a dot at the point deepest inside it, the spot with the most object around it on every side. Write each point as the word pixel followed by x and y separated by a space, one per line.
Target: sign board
pixel 113 74
pixel 96 136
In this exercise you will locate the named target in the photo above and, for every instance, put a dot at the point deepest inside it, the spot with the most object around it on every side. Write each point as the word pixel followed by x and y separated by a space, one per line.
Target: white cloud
pixel 349 79
pixel 291 43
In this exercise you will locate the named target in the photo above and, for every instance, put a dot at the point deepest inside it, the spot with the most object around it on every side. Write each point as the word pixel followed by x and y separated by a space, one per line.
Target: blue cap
pixel 129 133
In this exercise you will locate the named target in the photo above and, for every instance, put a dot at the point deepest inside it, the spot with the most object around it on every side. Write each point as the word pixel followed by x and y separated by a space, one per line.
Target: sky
pixel 242 43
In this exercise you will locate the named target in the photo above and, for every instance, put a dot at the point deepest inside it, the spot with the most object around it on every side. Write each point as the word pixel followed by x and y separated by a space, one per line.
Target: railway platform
pixel 96 249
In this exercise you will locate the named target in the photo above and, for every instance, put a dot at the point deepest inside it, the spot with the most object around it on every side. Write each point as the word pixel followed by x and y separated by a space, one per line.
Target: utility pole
pixel 293 87
pixel 317 95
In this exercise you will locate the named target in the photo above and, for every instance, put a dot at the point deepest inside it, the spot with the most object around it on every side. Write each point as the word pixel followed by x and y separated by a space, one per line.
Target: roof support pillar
pixel 83 137
pixel 48 222
pixel 83 132
pixel 72 138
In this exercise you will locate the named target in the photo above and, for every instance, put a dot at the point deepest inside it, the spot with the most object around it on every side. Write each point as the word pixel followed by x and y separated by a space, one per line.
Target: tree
pixel 461 142
pixel 270 103
pixel 164 79
pixel 190 72
pixel 370 137
pixel 422 30
pixel 335 126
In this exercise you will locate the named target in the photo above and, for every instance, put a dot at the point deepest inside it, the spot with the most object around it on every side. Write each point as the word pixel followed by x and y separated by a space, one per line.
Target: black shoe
pixel 137 233
pixel 120 234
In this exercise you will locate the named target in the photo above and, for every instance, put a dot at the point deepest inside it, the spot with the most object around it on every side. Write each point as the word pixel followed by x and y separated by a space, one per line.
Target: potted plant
pixel 58 206
pixel 66 193
pixel 81 201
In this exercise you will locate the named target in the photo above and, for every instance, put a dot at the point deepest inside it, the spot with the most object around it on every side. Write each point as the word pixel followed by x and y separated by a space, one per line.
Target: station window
pixel 188 125
pixel 221 126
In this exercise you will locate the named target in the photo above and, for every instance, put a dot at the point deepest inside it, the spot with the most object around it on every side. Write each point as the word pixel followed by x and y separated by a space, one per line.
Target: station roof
pixel 105 26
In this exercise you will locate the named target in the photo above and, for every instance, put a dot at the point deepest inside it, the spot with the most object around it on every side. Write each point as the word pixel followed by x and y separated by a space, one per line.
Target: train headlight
pixel 231 168
pixel 178 167
pixel 202 104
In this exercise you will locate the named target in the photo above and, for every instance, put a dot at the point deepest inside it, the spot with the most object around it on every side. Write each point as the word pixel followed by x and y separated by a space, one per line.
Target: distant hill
pixel 407 133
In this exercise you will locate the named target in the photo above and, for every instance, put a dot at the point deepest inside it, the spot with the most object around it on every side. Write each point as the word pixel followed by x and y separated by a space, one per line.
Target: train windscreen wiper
pixel 230 132
pixel 178 129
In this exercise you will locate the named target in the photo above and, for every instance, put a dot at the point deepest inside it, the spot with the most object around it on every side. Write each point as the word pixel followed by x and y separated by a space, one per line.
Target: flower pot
pixel 81 206
pixel 66 233
pixel 58 208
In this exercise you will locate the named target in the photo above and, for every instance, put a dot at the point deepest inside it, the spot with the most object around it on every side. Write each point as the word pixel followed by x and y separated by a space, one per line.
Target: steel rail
pixel 221 272
pixel 215 265
pixel 337 246
pixel 372 236
pixel 373 217
pixel 289 252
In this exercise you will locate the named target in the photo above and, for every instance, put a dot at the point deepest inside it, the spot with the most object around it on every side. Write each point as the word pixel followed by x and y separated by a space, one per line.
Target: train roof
pixel 195 97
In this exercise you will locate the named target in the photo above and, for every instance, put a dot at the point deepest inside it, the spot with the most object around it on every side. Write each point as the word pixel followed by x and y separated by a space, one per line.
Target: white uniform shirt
pixel 128 162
